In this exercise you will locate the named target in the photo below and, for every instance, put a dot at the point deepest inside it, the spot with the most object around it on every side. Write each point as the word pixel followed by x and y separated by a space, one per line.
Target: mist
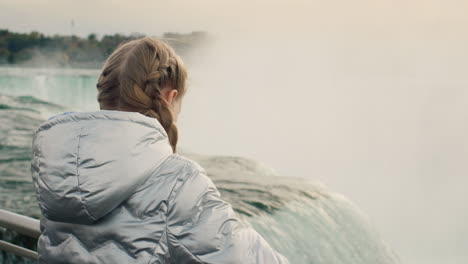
pixel 369 98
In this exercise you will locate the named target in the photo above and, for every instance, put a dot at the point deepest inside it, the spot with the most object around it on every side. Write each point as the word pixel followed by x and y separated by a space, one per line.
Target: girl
pixel 112 188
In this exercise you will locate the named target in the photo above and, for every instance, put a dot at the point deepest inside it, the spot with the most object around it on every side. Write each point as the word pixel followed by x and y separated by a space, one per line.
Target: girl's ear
pixel 169 94
pixel 172 95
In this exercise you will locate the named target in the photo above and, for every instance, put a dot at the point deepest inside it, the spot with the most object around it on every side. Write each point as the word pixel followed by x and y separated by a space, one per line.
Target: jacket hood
pixel 85 164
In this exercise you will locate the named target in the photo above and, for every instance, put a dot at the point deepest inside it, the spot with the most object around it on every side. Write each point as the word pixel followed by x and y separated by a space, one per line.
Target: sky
pixel 156 16
pixel 369 97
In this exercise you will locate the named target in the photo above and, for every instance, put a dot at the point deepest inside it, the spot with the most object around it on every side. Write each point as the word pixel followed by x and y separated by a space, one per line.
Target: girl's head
pixel 145 76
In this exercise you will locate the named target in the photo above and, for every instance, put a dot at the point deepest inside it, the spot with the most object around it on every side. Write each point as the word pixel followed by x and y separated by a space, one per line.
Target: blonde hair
pixel 134 75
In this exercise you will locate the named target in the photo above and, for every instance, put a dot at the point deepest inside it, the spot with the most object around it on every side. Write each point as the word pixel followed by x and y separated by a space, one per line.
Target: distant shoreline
pixel 20 70
pixel 83 66
pixel 37 50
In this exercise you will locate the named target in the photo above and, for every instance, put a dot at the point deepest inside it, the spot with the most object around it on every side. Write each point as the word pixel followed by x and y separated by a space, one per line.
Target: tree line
pixel 36 49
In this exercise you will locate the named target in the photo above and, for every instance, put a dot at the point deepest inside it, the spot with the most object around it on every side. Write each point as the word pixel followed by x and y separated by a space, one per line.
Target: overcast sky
pixel 157 16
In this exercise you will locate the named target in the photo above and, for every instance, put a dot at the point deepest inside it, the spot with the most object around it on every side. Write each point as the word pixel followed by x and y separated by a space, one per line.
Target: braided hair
pixel 134 75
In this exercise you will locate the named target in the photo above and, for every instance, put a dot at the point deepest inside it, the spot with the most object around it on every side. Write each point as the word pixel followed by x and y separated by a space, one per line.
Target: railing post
pixel 22 224
pixel 17 250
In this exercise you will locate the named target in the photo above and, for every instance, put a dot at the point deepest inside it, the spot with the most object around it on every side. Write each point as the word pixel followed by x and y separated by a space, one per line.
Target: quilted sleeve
pixel 202 228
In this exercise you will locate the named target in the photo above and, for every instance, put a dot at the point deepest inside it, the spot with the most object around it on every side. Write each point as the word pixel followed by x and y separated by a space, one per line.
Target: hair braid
pixel 132 79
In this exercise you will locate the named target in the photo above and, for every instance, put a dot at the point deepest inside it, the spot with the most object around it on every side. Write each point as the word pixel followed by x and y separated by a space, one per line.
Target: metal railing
pixel 22 224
